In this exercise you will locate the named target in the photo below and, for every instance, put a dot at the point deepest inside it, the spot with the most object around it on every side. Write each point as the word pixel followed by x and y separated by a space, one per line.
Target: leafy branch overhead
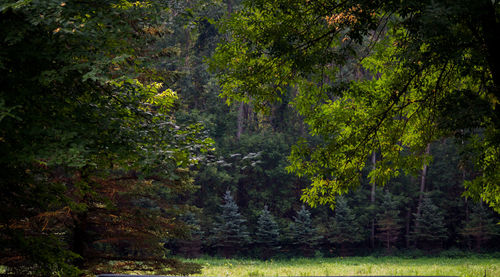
pixel 385 76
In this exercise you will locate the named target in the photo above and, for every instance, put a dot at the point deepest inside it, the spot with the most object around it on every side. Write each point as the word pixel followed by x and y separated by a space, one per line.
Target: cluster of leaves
pixel 94 161
pixel 371 76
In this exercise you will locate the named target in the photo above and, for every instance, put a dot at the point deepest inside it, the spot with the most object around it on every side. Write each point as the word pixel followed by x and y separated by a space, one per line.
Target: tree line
pixel 438 224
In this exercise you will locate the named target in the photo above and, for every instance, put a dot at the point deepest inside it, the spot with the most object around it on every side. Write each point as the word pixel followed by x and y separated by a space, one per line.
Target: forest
pixel 143 135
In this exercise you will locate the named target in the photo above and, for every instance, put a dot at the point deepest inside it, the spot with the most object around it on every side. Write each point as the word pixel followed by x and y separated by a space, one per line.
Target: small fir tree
pixel 481 226
pixel 388 222
pixel 267 234
pixel 190 246
pixel 302 233
pixel 344 230
pixel 231 233
pixel 430 230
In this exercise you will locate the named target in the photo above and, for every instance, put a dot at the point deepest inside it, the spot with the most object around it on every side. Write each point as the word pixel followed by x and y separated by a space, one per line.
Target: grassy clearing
pixel 466 267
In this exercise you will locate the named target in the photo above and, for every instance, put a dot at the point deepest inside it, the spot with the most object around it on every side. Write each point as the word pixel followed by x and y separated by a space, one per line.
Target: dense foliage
pixel 303 235
pixel 386 110
pixel 93 161
pixel 429 224
pixel 385 76
pixel 267 235
pixel 388 221
pixel 230 231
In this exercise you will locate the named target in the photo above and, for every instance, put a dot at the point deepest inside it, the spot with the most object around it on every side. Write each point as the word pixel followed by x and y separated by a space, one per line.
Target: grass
pixel 466 267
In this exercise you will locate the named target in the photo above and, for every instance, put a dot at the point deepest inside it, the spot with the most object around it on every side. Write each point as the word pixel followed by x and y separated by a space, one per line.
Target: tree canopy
pixel 385 76
pixel 92 158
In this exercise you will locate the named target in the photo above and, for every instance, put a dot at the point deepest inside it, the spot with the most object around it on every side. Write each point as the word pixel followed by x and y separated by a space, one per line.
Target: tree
pixel 231 234
pixel 302 233
pixel 94 161
pixel 430 229
pixel 267 236
pixel 190 246
pixel 437 69
pixel 388 222
pixel 344 229
pixel 481 226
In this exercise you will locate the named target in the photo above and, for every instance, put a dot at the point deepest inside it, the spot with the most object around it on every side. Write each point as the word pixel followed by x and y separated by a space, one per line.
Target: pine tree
pixel 230 234
pixel 344 230
pixel 429 225
pixel 191 246
pixel 388 221
pixel 267 235
pixel 481 226
pixel 302 233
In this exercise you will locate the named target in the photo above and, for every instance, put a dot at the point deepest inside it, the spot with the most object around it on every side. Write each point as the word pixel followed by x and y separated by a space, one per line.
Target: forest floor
pixel 354 266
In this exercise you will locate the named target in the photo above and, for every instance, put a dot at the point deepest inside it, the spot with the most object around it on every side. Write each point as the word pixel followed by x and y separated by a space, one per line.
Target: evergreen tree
pixel 302 233
pixel 388 221
pixel 230 234
pixel 94 165
pixel 191 246
pixel 344 229
pixel 430 229
pixel 267 235
pixel 481 226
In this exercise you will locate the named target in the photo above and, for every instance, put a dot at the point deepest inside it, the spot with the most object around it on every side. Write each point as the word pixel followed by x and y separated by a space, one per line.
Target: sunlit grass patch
pixel 466 267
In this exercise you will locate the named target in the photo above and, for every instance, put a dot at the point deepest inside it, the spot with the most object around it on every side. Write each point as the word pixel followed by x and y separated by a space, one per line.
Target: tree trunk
pixel 407 229
pixel 388 238
pixel 422 186
pixel 372 201
pixel 422 182
pixel 479 237
pixel 80 237
pixel 469 246
pixel 467 238
pixel 241 116
pixel 187 35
